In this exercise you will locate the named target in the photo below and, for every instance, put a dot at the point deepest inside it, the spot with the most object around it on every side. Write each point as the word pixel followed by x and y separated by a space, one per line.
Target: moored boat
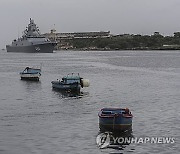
pixel 115 119
pixel 30 74
pixel 70 83
pixel 32 41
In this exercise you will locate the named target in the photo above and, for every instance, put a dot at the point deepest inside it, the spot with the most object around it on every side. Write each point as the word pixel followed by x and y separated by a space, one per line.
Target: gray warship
pixel 32 41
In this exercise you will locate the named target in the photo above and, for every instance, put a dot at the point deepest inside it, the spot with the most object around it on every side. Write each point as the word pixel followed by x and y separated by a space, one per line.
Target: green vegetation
pixel 128 42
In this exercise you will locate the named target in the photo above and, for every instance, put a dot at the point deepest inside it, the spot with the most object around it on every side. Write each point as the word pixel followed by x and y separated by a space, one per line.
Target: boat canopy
pixel 31 70
pixel 71 79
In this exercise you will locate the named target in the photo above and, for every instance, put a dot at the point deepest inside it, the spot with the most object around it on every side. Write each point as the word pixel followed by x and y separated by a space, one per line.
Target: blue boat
pixel 30 74
pixel 115 119
pixel 70 83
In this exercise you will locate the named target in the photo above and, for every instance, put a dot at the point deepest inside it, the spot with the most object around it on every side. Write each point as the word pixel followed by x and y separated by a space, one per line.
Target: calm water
pixel 34 119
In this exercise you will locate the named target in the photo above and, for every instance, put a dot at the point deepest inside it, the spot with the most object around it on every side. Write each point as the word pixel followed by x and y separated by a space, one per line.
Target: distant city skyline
pixel 117 16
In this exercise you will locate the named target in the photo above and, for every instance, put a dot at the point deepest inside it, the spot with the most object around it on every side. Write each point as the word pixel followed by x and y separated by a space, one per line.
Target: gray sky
pixel 118 16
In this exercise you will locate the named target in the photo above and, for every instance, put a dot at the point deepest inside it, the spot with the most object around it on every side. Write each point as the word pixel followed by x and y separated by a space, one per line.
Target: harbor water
pixel 35 119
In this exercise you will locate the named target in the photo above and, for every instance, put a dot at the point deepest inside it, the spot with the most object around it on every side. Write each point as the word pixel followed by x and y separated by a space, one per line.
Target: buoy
pixel 85 83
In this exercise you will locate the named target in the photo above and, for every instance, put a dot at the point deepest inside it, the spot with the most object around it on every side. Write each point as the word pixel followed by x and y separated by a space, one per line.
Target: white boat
pixel 31 74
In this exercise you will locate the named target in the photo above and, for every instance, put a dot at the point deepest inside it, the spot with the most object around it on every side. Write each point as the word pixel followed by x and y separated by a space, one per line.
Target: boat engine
pixel 85 83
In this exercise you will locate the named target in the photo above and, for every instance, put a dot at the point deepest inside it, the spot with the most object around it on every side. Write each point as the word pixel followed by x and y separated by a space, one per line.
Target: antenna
pixel 54 32
pixel 41 65
pixel 18 32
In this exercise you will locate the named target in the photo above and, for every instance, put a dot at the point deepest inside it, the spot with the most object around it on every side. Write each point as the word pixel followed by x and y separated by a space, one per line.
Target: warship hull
pixel 38 48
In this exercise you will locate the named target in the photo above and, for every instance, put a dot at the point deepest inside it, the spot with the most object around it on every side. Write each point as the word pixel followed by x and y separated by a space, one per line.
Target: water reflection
pixel 66 94
pixel 31 85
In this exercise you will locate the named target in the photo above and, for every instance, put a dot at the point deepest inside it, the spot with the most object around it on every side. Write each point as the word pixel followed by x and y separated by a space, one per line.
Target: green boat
pixel 71 82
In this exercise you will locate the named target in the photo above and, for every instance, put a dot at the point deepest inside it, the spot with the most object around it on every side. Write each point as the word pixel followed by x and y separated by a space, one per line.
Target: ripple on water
pixel 36 119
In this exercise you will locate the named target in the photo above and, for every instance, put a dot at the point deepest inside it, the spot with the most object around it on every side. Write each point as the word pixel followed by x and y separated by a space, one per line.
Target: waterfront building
pixel 64 38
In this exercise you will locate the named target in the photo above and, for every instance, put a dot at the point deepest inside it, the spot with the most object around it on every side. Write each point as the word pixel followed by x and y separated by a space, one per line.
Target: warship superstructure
pixel 32 41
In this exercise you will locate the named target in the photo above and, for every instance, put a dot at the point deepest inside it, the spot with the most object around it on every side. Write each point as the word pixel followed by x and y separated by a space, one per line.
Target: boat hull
pixel 115 124
pixel 38 48
pixel 28 76
pixel 75 87
pixel 115 120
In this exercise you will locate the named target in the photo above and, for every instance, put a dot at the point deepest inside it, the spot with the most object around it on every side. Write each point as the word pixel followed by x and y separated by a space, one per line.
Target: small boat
pixel 70 83
pixel 115 119
pixel 31 74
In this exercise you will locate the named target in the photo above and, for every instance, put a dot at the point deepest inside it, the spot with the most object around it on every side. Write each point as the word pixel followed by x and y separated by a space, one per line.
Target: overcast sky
pixel 117 16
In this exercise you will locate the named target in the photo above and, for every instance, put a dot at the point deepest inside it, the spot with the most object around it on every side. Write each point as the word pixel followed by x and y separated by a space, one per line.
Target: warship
pixel 32 41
